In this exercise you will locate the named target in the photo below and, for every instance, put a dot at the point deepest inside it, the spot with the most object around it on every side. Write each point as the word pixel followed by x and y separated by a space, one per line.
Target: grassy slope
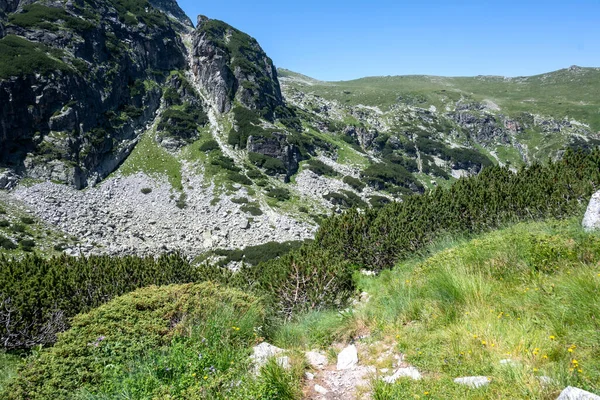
pixel 526 293
pixel 558 94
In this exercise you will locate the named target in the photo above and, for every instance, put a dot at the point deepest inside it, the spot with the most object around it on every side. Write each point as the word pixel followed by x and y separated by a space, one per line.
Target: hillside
pixel 516 306
pixel 130 131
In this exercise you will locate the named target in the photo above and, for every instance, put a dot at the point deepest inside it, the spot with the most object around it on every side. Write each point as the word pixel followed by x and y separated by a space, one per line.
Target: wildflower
pixel 426 393
pixel 552 337
pixel 535 370
pixel 545 357
pixel 194 374
pixel 580 370
pixel 205 377
pixel 483 342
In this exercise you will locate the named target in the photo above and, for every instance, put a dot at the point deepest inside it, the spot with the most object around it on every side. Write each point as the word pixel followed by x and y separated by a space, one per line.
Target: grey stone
pixel 408 372
pixel 573 393
pixel 321 390
pixel 348 358
pixel 473 381
pixel 591 220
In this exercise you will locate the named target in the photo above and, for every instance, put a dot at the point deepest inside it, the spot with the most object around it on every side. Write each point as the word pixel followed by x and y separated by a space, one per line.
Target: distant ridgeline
pixel 38 296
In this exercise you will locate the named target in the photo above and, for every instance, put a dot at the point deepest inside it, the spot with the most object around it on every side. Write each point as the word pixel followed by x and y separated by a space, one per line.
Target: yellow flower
pixel 552 337
pixel 483 342
pixel 570 350
pixel 194 374
pixel 580 370
pixel 426 393
pixel 535 370
pixel 205 377
pixel 545 357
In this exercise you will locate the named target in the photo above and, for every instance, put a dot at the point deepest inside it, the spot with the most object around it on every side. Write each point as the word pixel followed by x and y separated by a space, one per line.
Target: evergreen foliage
pixel 320 168
pixel 22 57
pixel 38 296
pixel 377 238
pixel 197 336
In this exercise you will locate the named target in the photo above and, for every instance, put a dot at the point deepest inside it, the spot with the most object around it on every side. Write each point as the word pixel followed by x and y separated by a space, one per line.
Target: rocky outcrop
pixel 365 137
pixel 276 146
pixel 172 9
pixel 231 65
pixel 591 220
pixel 86 111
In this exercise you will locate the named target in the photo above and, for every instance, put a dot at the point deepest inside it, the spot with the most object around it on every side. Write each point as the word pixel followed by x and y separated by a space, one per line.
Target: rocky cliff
pixel 233 67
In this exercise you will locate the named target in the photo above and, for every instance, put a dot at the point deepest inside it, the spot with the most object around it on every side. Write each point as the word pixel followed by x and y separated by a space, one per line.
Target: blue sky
pixel 340 40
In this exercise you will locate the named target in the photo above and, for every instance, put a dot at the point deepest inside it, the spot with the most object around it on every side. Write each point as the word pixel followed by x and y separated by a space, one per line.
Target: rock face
pixel 573 393
pixel 276 146
pixel 99 88
pixel 232 66
pixel 591 220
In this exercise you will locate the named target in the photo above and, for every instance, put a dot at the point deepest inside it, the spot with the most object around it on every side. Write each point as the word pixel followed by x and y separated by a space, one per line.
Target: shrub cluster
pixel 377 238
pixel 320 168
pixel 22 57
pixel 38 296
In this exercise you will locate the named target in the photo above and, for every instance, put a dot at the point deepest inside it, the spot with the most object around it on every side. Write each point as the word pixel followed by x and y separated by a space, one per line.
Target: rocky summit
pixel 125 129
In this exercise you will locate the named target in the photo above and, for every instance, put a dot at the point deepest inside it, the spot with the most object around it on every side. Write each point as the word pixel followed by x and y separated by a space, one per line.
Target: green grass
pixel 526 293
pixel 150 158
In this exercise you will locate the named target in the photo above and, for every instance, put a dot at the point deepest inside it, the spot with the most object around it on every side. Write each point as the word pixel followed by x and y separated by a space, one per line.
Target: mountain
pixel 129 130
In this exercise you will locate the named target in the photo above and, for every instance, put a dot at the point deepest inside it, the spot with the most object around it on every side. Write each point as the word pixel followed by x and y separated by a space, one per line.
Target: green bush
pixel 320 168
pixel 252 209
pixel 280 194
pixel 146 190
pixel 27 244
pixel 27 220
pixel 345 199
pixel 182 123
pixel 377 239
pixel 18 228
pixel 378 201
pixel 355 183
pixel 384 176
pixel 40 295
pixel 4 223
pixel 271 165
pixel 7 244
pixel 225 163
pixel 22 57
pixel 39 16
pixel 254 255
pixel 238 178
pixel 195 337
pixel 209 146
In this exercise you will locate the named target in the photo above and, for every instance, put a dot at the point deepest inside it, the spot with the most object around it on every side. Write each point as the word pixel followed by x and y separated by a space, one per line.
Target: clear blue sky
pixel 339 40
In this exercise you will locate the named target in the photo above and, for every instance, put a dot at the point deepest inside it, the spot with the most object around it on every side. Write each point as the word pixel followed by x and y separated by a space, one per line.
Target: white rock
pixel 348 358
pixel 408 372
pixel 263 352
pixel 591 220
pixel 316 359
pixel 473 381
pixel 320 389
pixel 309 376
pixel 573 393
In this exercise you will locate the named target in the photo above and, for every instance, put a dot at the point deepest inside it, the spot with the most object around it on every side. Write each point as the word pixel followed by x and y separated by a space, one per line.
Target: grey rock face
pixel 171 8
pixel 232 66
pixel 591 220
pixel 89 114
pixel 277 147
pixel 573 393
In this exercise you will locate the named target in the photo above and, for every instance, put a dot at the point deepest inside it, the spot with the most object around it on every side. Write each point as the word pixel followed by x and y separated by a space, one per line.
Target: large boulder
pixel 591 220
pixel 573 393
